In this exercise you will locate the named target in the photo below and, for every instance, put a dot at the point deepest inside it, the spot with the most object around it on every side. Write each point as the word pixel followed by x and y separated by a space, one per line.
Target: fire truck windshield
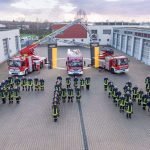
pixel 123 61
pixel 15 63
pixel 75 63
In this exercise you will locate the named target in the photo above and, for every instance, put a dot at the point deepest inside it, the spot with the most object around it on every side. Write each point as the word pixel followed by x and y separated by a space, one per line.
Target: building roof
pixel 142 29
pixel 75 31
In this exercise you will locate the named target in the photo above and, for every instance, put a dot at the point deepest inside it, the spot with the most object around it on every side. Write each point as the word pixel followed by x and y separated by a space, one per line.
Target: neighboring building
pixel 9 43
pixel 76 33
pixel 133 41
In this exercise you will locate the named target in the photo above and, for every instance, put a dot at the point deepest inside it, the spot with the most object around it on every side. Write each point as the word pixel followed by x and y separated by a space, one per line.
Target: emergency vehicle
pixel 26 62
pixel 74 62
pixel 115 64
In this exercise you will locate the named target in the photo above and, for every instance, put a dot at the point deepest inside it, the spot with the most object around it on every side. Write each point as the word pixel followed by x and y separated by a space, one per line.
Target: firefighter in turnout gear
pixel 144 101
pixel 82 83
pixel 11 82
pixel 134 93
pixel 115 90
pixel 30 84
pixel 122 104
pixel 106 83
pixel 64 94
pixel 127 98
pixel 118 96
pixel 10 95
pixel 129 109
pixel 68 82
pixel 148 88
pixel 75 82
pixel 17 82
pixel 147 80
pixel 36 84
pixel 41 84
pixel 55 112
pixel 78 94
pixel 87 82
pixel 24 84
pixel 140 95
pixel 3 95
pixel 109 88
pixel 16 95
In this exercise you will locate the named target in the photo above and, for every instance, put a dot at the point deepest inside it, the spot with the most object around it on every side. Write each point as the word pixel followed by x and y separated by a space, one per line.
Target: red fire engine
pixel 115 64
pixel 26 62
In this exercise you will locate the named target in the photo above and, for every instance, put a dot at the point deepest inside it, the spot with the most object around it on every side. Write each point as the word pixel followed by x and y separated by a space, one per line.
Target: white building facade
pixel 133 41
pixel 9 43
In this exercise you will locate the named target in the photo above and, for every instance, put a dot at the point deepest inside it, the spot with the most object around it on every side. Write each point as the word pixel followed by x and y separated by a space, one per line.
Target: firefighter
pixel 30 84
pixel 122 104
pixel 109 88
pixel 24 83
pixel 55 112
pixel 16 95
pixel 75 82
pixel 118 96
pixel 129 84
pixel 134 93
pixel 106 83
pixel 125 88
pixel 148 88
pixel 82 83
pixel 87 82
pixel 68 82
pixel 64 94
pixel 140 94
pixel 127 96
pixel 129 109
pixel 36 84
pixel 17 83
pixel 3 95
pixel 72 94
pixel 11 81
pixel 115 90
pixel 147 80
pixel 57 97
pixel 41 84
pixel 144 101
pixel 10 95
pixel 59 78
pixel 78 94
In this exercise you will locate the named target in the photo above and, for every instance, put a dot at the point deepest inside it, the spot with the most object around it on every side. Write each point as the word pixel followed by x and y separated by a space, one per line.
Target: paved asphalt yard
pixel 96 124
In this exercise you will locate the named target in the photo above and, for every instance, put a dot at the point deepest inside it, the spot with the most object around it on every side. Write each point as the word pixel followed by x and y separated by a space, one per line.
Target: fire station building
pixel 9 43
pixel 133 41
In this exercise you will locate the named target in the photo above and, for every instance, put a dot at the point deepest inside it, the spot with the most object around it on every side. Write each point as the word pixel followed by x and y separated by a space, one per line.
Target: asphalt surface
pixel 29 125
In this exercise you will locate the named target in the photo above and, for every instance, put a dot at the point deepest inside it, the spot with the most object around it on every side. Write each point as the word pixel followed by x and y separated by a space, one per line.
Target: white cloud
pixel 35 4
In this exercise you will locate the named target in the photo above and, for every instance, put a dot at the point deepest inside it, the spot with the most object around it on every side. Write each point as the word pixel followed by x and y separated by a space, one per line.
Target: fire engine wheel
pixel 112 70
pixel 26 72
pixel 41 65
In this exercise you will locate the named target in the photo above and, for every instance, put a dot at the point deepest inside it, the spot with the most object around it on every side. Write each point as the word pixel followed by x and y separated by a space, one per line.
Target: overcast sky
pixel 65 10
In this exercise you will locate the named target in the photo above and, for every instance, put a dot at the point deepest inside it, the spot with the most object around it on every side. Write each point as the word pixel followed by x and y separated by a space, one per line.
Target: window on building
pixel 99 40
pixel 106 31
pixel 5 46
pixel 17 42
pixel 94 34
pixel 82 40
pixel 107 40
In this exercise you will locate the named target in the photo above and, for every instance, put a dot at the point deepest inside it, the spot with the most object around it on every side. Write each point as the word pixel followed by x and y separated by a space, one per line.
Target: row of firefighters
pixel 10 88
pixel 131 94
pixel 62 93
